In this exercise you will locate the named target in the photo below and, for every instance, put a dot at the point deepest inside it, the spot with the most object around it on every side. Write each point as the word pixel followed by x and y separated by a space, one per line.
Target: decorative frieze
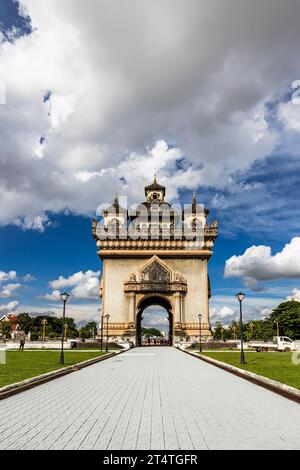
pixel 155 277
pixel 121 240
pixel 191 326
pixel 120 326
pixel 153 245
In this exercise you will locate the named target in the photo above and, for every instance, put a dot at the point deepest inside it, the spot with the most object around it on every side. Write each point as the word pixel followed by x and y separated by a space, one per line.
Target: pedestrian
pixel 22 343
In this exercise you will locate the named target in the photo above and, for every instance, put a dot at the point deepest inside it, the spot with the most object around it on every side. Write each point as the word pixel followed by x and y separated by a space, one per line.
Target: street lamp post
pixel 64 297
pixel 101 329
pixel 107 316
pixel 240 297
pixel 200 342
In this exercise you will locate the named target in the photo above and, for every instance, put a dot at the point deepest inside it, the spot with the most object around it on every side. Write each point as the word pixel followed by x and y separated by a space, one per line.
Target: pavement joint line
pixel 284 390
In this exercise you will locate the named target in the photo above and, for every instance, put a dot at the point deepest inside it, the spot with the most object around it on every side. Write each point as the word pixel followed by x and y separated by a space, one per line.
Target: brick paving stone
pixel 149 398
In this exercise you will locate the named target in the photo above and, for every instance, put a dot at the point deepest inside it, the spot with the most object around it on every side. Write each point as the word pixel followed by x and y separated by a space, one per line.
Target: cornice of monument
pixel 115 253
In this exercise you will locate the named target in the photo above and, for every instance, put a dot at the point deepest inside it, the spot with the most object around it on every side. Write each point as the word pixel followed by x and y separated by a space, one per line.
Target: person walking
pixel 22 343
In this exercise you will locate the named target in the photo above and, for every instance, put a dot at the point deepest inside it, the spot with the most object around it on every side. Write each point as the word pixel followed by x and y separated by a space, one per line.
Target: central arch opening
pixel 154 313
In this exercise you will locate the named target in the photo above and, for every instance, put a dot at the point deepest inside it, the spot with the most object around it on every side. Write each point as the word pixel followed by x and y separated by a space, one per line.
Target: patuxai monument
pixel 155 254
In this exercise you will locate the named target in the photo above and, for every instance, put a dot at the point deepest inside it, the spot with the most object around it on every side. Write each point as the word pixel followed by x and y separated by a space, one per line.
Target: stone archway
pixel 147 301
pixel 156 283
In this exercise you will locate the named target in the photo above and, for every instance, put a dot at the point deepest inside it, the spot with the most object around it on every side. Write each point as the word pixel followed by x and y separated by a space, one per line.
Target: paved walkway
pixel 149 398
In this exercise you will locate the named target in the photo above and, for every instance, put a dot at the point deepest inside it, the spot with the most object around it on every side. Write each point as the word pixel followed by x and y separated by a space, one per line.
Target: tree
pixel 288 316
pixel 218 330
pixel 53 327
pixel 6 329
pixel 234 329
pixel 89 330
pixel 72 329
pixel 92 327
pixel 25 322
pixel 148 332
pixel 84 333
pixel 257 330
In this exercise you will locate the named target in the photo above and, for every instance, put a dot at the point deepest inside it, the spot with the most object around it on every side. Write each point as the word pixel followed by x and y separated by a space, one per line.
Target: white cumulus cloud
pixel 10 307
pixel 94 87
pixel 295 295
pixel 81 285
pixel 7 276
pixel 258 263
pixel 289 112
pixel 223 312
pixel 9 289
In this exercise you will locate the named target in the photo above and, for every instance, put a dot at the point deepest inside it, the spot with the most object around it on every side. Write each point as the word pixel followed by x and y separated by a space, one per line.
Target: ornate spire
pixel 116 200
pixel 194 198
pixel 194 202
pixel 155 186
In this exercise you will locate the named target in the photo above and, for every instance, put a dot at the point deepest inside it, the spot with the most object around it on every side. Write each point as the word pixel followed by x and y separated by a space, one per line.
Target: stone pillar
pixel 177 312
pixel 206 306
pixel 131 316
pixel 182 310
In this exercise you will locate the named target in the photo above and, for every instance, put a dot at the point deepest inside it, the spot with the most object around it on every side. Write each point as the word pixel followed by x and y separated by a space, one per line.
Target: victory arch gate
pixel 141 272
pixel 147 301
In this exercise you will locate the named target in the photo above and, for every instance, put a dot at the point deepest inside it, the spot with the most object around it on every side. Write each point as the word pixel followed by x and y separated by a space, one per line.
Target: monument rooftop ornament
pixel 155 192
pixel 155 254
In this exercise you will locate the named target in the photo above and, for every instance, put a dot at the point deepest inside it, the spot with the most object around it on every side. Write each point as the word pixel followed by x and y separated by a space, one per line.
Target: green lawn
pixel 24 365
pixel 276 366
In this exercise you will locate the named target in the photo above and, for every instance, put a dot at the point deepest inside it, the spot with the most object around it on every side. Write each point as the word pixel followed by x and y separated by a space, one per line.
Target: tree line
pixel 46 327
pixel 284 320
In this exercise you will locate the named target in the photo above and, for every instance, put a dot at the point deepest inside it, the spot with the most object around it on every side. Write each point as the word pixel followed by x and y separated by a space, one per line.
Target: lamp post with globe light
pixel 101 327
pixel 64 297
pixel 240 297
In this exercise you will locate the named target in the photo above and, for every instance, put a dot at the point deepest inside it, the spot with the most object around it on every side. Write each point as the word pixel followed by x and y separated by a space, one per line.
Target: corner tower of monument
pixel 153 256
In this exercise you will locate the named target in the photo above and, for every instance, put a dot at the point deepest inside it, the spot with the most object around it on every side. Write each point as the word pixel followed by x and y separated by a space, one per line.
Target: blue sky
pixel 10 19
pixel 210 106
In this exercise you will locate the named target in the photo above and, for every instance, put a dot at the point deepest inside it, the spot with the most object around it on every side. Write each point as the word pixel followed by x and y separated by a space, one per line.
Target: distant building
pixel 13 319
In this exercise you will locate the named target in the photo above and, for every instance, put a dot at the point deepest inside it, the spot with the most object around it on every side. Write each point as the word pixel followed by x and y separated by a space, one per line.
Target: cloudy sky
pixel 95 97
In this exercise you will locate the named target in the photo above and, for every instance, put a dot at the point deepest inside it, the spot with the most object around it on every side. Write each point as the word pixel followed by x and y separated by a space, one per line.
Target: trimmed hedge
pixel 94 345
pixel 214 345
